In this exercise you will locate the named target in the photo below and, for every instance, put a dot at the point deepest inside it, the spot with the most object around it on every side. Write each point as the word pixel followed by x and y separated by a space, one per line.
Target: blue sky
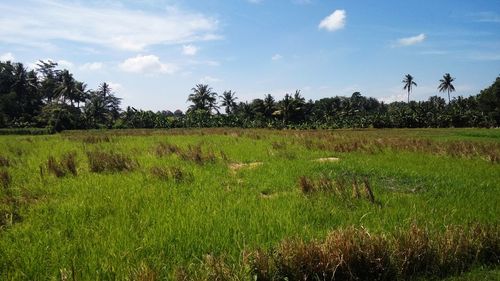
pixel 153 52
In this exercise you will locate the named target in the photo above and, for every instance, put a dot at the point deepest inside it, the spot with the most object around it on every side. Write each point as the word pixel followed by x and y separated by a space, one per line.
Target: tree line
pixel 48 97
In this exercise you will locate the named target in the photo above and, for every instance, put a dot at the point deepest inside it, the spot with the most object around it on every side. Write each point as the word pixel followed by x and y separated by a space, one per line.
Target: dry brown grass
pixel 4 161
pixel 341 186
pixel 102 161
pixel 355 254
pixel 197 155
pixel 67 165
pixel 166 149
pixel 174 173
pixel 144 273
pixel 5 179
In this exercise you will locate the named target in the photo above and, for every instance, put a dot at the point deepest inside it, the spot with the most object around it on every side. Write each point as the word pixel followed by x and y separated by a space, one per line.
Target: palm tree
pixel 203 98
pixel 446 85
pixel 269 105
pixel 67 87
pixel 102 107
pixel 81 93
pixel 409 83
pixel 229 101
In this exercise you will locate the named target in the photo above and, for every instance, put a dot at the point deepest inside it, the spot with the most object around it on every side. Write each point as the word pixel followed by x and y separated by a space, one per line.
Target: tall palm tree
pixel 269 105
pixel 228 99
pixel 81 93
pixel 446 85
pixel 203 98
pixel 409 83
pixel 67 87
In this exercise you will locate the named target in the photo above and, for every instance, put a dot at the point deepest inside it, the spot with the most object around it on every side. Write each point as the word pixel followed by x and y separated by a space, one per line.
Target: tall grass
pixel 166 204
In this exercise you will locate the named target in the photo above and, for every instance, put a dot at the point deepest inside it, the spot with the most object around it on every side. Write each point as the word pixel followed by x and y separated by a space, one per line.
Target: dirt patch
pixel 238 166
pixel 328 159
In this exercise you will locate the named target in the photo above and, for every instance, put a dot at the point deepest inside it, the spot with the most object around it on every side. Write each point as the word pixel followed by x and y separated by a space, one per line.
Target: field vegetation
pixel 251 204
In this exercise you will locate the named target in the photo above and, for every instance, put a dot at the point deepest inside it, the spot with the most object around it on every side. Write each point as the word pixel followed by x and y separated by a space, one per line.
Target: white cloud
pixel 209 79
pixel 7 57
pixel 334 22
pixel 115 87
pixel 189 50
pixel 409 41
pixel 147 64
pixel 108 26
pixel 64 64
pixel 276 57
pixel 92 66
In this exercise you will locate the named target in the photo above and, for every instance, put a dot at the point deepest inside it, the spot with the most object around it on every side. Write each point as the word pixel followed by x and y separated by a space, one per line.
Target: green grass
pixel 115 225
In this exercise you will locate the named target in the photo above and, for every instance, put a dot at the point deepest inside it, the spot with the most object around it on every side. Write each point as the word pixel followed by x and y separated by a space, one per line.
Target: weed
pixel 4 161
pixel 338 186
pixel 196 154
pixel 355 254
pixel 55 167
pixel 5 179
pixel 144 273
pixel 166 149
pixel 166 173
pixel 66 165
pixel 101 161
pixel 160 173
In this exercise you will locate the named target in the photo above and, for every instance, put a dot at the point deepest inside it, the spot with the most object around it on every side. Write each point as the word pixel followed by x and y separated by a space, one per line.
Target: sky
pixel 152 52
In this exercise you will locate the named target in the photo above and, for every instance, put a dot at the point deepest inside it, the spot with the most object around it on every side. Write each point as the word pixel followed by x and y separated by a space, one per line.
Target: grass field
pixel 226 203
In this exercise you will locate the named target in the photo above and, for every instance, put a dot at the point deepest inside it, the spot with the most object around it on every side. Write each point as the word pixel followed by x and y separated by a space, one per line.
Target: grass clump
pixel 66 165
pixel 166 149
pixel 195 154
pixel 4 161
pixel 170 173
pixel 355 254
pixel 5 179
pixel 342 187
pixel 101 161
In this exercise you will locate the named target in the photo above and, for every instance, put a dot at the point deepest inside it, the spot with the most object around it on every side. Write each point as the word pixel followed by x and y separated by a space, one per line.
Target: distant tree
pixel 66 90
pixel 489 101
pixel 228 100
pixel 81 93
pixel 49 74
pixel 102 107
pixel 203 98
pixel 269 105
pixel 409 83
pixel 446 85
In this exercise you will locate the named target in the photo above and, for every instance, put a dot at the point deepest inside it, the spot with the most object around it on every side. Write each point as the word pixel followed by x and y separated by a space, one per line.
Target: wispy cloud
pixel 276 57
pixel 486 17
pixel 335 21
pixel 47 21
pixel 92 66
pixel 209 79
pixel 148 64
pixel 7 57
pixel 409 41
pixel 189 50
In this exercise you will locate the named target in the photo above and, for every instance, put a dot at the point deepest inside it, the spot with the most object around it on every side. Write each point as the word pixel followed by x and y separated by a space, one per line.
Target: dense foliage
pixel 52 98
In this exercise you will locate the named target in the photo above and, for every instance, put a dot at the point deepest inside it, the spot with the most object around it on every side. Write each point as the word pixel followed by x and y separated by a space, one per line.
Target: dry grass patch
pixel 4 161
pixel 197 155
pixel 174 173
pixel 355 254
pixel 342 187
pixel 101 161
pixel 66 165
pixel 166 149
pixel 5 179
pixel 327 159
pixel 238 166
